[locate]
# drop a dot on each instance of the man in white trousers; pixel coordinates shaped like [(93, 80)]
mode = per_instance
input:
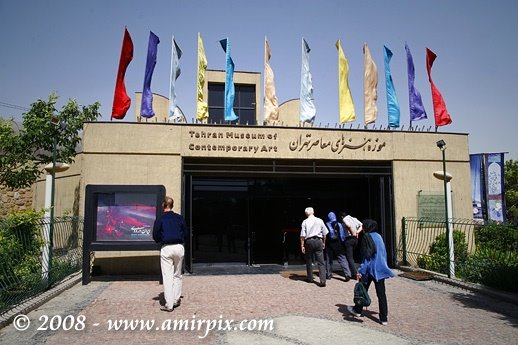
[(169, 230)]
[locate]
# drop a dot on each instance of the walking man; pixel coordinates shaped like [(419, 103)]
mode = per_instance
[(312, 241), (169, 230), (353, 227)]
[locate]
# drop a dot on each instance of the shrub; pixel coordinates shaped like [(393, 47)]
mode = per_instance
[(495, 261), (20, 249), (497, 236), (437, 261), (493, 267)]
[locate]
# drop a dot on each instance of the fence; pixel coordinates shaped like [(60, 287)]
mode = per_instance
[(30, 263), (424, 242)]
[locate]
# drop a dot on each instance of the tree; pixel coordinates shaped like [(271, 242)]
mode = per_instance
[(24, 153), (511, 189)]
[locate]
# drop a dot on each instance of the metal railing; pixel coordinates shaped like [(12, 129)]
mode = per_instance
[(25, 270), (424, 244)]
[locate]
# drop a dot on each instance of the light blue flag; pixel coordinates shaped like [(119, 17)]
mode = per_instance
[(176, 54), (307, 105), (417, 111), (394, 112), (229, 82)]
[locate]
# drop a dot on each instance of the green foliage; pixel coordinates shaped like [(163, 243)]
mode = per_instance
[(23, 153), (20, 250), (497, 236), (437, 261), (492, 267), (21, 244), (511, 190), (495, 261), (20, 236)]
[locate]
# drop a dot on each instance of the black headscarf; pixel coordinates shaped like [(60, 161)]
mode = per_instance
[(370, 225)]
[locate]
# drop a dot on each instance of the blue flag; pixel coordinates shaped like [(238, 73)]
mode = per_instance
[(307, 106), (392, 103), (229, 82), (146, 108), (417, 111)]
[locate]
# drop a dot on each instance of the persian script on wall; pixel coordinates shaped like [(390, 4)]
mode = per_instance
[(253, 143)]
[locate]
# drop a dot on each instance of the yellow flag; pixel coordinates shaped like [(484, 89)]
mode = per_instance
[(347, 113), (202, 113), (271, 104), (370, 86)]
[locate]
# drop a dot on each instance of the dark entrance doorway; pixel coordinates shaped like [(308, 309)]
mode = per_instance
[(254, 218), (220, 223)]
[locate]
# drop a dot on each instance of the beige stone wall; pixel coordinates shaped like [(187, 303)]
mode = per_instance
[(411, 177), (68, 191), (289, 113), (14, 200), (160, 107), (144, 153)]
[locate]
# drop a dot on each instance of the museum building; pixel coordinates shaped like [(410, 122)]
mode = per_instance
[(243, 187)]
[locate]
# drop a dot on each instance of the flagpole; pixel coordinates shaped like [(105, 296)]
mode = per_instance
[(170, 81), (264, 83)]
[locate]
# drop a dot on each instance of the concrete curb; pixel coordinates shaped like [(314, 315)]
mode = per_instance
[(488, 291)]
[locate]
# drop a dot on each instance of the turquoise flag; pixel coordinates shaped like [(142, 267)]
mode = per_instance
[(307, 106), (229, 82), (392, 104)]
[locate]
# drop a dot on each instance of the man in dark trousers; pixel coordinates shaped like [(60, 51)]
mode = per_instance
[(169, 230), (312, 241)]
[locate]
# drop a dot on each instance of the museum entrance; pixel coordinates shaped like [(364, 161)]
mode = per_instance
[(242, 213)]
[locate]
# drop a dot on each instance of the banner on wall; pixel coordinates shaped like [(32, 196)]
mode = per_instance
[(494, 173), (477, 182), (487, 186)]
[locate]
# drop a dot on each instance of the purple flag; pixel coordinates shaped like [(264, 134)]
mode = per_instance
[(146, 108), (417, 111)]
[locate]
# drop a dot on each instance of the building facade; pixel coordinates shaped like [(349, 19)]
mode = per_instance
[(243, 187)]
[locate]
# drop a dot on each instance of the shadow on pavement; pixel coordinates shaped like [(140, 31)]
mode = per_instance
[(369, 314), (507, 310)]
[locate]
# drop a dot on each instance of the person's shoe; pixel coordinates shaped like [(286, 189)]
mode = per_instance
[(384, 323), (166, 308), (351, 311), (347, 278), (177, 304), (329, 277), (322, 284)]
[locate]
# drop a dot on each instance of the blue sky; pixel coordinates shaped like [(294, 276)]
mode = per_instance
[(73, 48)]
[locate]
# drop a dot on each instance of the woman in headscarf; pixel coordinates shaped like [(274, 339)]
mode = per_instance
[(374, 268)]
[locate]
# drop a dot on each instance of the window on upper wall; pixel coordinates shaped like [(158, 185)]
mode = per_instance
[(244, 103)]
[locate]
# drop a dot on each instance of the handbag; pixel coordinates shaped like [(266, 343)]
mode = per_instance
[(361, 296)]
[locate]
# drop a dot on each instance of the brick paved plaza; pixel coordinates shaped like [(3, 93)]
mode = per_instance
[(420, 312)]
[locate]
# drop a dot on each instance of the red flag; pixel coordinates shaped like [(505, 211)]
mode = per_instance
[(439, 107), (121, 101)]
